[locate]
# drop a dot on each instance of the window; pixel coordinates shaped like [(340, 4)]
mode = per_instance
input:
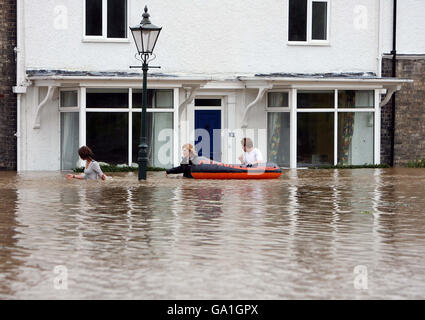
[(106, 19), (69, 99), (278, 100), (278, 133), (315, 99), (355, 138), (308, 21), (158, 99), (356, 99), (207, 102), (315, 139), (69, 140), (159, 135), (107, 98), (107, 135)]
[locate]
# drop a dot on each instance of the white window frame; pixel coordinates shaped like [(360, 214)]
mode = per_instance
[(310, 41), (104, 36), (82, 109), (294, 110), (280, 110)]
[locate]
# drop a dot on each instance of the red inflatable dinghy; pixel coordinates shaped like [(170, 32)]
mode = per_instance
[(208, 169)]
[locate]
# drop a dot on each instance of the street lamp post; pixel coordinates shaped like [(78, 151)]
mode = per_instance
[(145, 36)]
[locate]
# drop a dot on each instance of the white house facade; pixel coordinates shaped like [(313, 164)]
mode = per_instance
[(302, 78)]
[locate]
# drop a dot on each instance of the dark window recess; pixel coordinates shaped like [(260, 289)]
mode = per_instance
[(117, 18), (93, 17), (138, 98), (100, 98), (319, 23), (107, 136), (297, 20), (207, 102)]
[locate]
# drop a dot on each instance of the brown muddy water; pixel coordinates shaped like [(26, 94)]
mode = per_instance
[(313, 234)]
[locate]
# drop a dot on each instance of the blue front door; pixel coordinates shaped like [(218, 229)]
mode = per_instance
[(208, 133)]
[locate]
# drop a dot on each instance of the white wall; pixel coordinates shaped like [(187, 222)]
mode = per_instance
[(40, 148), (410, 26), (199, 36)]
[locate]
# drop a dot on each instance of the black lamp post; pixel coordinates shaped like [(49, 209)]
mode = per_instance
[(145, 36)]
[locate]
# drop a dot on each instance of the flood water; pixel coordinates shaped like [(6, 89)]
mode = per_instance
[(313, 234)]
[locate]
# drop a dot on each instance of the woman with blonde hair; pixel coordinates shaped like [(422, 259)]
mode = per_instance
[(190, 158)]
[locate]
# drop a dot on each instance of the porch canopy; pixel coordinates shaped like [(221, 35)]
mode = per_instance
[(193, 82)]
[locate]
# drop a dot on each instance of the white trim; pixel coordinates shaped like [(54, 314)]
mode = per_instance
[(82, 122), (130, 126), (176, 126), (108, 40), (107, 110), (315, 110), (377, 133), (293, 130), (105, 19), (356, 110), (152, 110), (336, 128)]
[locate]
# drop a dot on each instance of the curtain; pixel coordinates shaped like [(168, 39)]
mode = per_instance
[(160, 126), (347, 130), (274, 134), (69, 139)]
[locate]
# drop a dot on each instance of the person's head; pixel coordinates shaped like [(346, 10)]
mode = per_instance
[(85, 153), (247, 144), (188, 150)]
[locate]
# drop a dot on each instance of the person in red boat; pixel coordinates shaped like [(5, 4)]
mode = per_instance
[(251, 156)]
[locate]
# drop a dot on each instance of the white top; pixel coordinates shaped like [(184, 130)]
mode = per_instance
[(253, 156), (93, 171)]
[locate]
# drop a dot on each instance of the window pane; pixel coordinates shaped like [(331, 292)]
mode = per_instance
[(315, 99), (278, 100), (297, 20), (207, 102), (315, 139), (117, 18), (160, 138), (69, 99), (278, 138), (356, 99), (164, 99), (69, 140), (137, 98), (107, 136), (319, 23), (355, 138), (107, 98), (93, 17)]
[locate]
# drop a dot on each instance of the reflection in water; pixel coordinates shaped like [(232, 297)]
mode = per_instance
[(297, 237)]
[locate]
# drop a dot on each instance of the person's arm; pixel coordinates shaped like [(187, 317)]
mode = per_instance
[(241, 159), (73, 176)]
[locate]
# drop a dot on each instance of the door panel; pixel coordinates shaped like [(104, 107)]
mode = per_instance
[(208, 133)]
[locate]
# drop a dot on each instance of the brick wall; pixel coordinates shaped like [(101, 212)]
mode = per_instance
[(7, 81), (409, 115)]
